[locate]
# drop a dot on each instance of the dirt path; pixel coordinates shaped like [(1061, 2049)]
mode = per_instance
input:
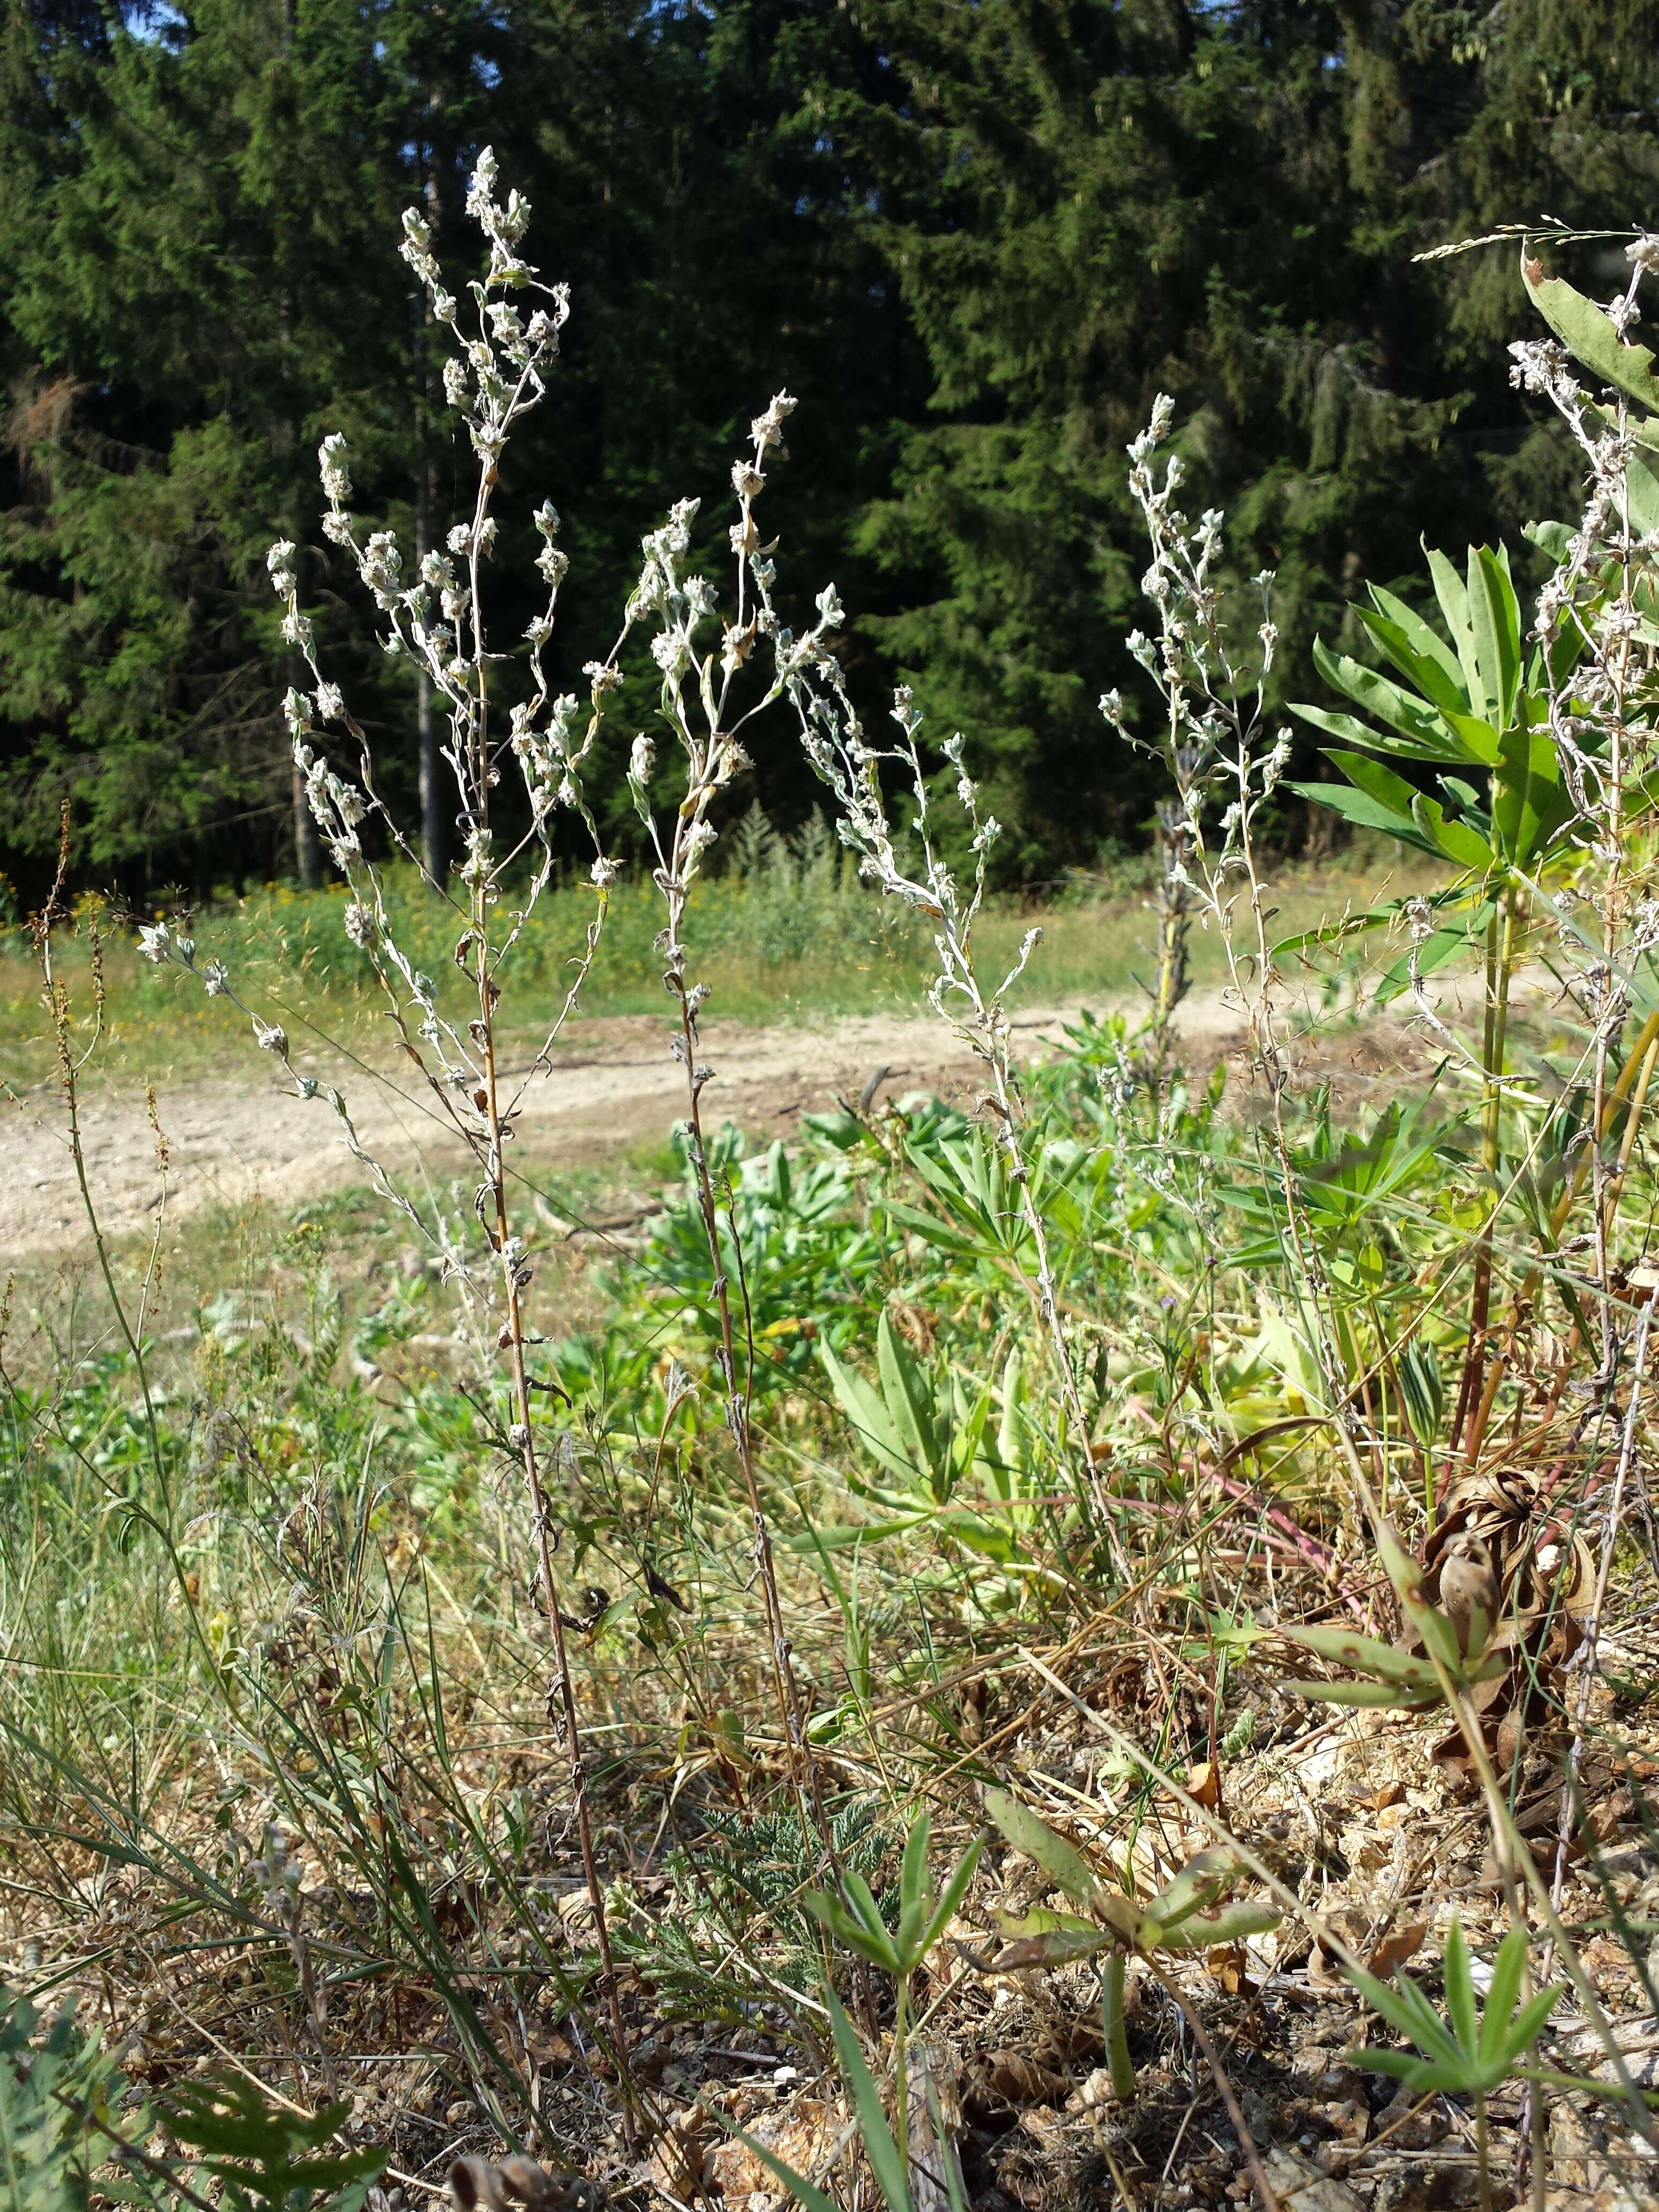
[(614, 1084)]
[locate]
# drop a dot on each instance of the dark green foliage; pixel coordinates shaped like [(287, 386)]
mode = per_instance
[(975, 242), (1120, 197)]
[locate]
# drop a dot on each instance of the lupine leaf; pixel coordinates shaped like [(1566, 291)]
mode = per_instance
[(1460, 1989)]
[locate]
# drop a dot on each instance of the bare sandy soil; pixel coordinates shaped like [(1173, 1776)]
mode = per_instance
[(614, 1084)]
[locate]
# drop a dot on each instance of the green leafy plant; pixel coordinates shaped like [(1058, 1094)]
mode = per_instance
[(1471, 2052), (854, 1919), (265, 2158), (1474, 704), (1192, 1912), (1383, 1675), (68, 2115), (55, 2091), (927, 1426)]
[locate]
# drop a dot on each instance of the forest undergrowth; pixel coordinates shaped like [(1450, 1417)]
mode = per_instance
[(1092, 1646)]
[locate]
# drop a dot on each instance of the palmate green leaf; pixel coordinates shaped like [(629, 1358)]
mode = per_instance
[(1590, 336), (1066, 1867), (1364, 812), (1466, 2052), (1422, 1389), (1418, 730), (1495, 620)]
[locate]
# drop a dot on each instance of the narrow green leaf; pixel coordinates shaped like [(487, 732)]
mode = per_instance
[(908, 1392), (865, 1910), (951, 1896), (869, 1417), (1057, 1946), (1406, 2009), (1524, 2029), (851, 1934), (1346, 1647), (1223, 1924), (1449, 589), (1359, 1694), (1495, 618), (1202, 1882), (915, 1891), (1356, 806), (1460, 1989), (1456, 840), (1423, 730), (878, 2145), (1506, 1972), (1027, 1833), (1427, 645)]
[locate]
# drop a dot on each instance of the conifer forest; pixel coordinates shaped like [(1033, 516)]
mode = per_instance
[(829, 1189)]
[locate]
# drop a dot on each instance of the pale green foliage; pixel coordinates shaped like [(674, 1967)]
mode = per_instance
[(1471, 2050), (1193, 1911)]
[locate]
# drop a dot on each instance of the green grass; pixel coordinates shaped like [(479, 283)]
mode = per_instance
[(791, 935)]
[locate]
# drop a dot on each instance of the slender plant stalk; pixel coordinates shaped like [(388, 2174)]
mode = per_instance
[(1117, 2038)]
